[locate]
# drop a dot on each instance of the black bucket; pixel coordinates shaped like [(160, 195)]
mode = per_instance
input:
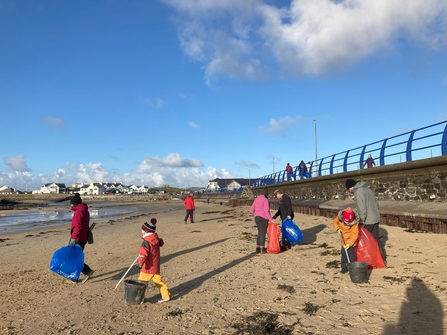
[(134, 291), (358, 271)]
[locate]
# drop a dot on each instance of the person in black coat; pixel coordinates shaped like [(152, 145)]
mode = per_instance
[(284, 212)]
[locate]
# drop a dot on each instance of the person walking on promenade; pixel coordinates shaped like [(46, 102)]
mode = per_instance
[(190, 207), (289, 171), (367, 208), (301, 169), (79, 229), (149, 259), (261, 211), (284, 212), (346, 224), (369, 162)]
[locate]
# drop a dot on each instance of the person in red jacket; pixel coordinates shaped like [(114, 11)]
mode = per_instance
[(190, 207), (79, 229), (149, 259)]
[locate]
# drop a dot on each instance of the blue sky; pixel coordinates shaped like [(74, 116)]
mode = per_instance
[(179, 92)]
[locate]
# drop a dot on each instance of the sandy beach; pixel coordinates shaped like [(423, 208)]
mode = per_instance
[(218, 285)]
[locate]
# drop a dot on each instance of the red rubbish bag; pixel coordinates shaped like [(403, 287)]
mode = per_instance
[(368, 250), (273, 234)]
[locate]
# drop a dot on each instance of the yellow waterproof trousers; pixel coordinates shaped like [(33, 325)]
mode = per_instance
[(158, 281)]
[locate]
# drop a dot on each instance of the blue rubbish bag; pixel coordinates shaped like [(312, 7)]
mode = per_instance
[(291, 232), (68, 262)]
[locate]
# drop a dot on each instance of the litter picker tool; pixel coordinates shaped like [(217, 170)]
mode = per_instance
[(130, 267), (346, 250)]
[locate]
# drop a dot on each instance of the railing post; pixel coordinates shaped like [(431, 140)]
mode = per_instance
[(345, 162), (319, 167), (444, 142), (382, 153), (362, 157), (331, 166), (409, 145)]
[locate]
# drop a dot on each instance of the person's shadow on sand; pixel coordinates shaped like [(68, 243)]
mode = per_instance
[(310, 234), (383, 236), (421, 312), (119, 273), (190, 285)]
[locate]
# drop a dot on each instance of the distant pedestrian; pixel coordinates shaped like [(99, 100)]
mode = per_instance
[(301, 169), (369, 162), (261, 211), (367, 208), (207, 201), (284, 212), (149, 259), (190, 207), (289, 171), (308, 166), (346, 224), (80, 224)]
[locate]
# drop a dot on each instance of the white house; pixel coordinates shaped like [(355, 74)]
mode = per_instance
[(53, 188), (95, 189)]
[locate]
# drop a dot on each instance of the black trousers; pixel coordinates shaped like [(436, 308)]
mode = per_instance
[(86, 268), (262, 224), (190, 213)]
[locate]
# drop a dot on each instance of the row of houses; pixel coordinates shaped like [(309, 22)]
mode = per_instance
[(215, 185), (92, 189)]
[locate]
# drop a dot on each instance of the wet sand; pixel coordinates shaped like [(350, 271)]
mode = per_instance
[(218, 284)]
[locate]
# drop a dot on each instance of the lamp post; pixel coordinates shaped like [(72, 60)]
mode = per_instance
[(316, 149)]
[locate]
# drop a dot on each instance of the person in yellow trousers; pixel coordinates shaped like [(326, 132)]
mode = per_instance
[(346, 224), (149, 259)]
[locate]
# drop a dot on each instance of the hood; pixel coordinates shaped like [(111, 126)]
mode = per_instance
[(80, 207)]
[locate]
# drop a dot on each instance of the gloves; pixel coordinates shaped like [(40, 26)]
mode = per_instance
[(138, 266), (161, 242), (339, 231), (346, 246), (72, 242), (289, 217)]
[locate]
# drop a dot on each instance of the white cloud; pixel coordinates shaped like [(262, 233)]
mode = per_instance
[(279, 127), (310, 37), (53, 122), (17, 163), (152, 171), (174, 160), (245, 163), (157, 102), (193, 124)]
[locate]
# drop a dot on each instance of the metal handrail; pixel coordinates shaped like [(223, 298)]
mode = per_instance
[(386, 151)]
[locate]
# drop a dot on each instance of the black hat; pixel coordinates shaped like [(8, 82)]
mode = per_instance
[(76, 199), (149, 227), (350, 183)]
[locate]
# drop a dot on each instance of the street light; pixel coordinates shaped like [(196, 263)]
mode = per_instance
[(316, 150)]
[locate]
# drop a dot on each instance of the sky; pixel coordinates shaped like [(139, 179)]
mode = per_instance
[(179, 92)]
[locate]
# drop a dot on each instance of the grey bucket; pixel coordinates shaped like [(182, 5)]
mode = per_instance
[(134, 291), (358, 271)]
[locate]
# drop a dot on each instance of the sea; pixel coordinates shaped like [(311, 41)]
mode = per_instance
[(10, 223)]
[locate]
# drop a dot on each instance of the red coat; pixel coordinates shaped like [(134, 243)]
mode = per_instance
[(150, 253), (80, 223), (189, 203)]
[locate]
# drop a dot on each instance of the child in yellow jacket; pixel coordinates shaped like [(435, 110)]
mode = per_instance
[(346, 224)]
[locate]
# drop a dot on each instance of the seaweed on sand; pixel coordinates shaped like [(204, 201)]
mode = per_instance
[(262, 323), (287, 288)]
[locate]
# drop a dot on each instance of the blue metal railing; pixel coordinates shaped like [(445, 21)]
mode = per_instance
[(426, 142)]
